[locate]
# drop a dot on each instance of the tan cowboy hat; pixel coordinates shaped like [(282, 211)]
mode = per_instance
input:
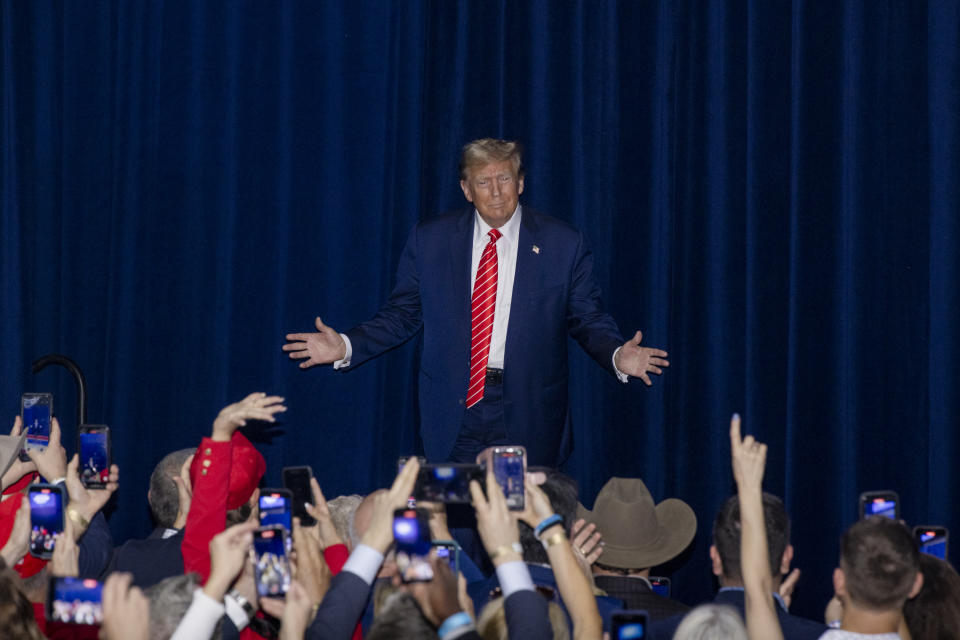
[(637, 534)]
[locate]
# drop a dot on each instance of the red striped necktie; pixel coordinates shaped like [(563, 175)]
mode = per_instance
[(484, 300)]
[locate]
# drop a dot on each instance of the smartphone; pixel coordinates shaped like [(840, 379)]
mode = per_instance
[(660, 585), (628, 624), (448, 551), (879, 503), (36, 412), (932, 540), (75, 601), (449, 483), (297, 481), (411, 532), (402, 460), (271, 564), (93, 445), (46, 518), (276, 507), (509, 469)]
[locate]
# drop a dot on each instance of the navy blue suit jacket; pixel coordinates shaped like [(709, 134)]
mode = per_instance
[(794, 627), (554, 295)]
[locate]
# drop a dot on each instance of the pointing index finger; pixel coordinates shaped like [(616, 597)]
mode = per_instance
[(735, 439)]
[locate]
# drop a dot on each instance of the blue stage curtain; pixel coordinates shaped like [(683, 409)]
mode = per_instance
[(770, 189)]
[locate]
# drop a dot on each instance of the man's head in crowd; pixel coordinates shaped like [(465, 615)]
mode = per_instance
[(638, 534), (401, 619), (343, 509), (935, 612), (163, 496), (16, 613), (879, 566), (725, 552), (561, 489)]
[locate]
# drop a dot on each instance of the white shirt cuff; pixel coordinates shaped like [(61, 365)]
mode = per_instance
[(364, 562), (201, 619), (514, 576), (622, 376), (236, 612), (345, 361)]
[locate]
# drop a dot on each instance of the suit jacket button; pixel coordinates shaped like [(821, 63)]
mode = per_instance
[(459, 400)]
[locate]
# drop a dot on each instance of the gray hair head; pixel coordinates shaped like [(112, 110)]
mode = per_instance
[(401, 619), (342, 510), (164, 498), (169, 602), (711, 622)]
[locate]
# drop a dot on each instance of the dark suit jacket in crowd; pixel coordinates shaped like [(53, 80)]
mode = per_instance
[(637, 594), (543, 577), (149, 560), (794, 627), (342, 606), (554, 296)]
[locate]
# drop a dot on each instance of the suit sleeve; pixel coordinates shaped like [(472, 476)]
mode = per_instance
[(340, 608), (587, 322), (208, 508), (401, 316), (526, 614), (96, 548)]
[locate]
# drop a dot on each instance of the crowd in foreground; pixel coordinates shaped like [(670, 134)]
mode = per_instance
[(552, 570)]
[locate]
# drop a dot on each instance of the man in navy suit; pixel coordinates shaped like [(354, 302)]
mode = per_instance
[(543, 290)]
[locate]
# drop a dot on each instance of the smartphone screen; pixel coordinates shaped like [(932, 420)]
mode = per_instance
[(932, 540), (75, 601), (275, 508), (46, 518), (36, 411), (94, 448), (879, 503), (660, 585), (411, 531), (628, 625), (450, 553), (509, 469), (297, 481), (449, 483), (271, 565)]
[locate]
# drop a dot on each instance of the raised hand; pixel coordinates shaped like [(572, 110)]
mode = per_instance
[(18, 468), (19, 541), (495, 522), (439, 598), (184, 493), (379, 533), (66, 555), (52, 461), (637, 361), (126, 611), (228, 553), (748, 456), (537, 505), (587, 540), (323, 347), (87, 502), (320, 512), (256, 406), (310, 568)]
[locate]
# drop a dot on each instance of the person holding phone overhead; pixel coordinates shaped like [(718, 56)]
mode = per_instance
[(496, 289)]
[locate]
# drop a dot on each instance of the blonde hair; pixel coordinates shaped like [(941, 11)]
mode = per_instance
[(711, 622), (484, 151), (492, 623)]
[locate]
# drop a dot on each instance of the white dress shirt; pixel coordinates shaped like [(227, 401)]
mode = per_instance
[(506, 269)]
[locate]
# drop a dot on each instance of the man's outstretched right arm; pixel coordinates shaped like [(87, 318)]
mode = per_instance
[(399, 319)]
